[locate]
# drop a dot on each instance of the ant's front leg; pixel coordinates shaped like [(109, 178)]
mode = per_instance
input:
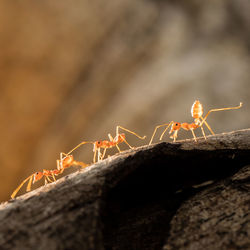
[(174, 136), (103, 153)]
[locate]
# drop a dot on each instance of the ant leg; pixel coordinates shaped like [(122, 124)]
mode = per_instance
[(94, 158), (112, 139), (131, 132), (175, 135), (60, 162), (53, 175), (118, 148), (194, 135), (99, 155), (19, 187), (128, 144), (166, 129), (103, 154), (29, 185), (203, 120), (162, 125), (202, 130), (63, 154), (61, 170), (48, 179), (221, 109)]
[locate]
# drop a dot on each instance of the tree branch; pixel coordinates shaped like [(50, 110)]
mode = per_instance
[(125, 201)]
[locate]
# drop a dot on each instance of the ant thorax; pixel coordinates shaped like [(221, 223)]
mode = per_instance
[(119, 138), (68, 159)]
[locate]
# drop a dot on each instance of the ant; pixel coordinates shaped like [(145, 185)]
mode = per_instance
[(36, 177), (197, 112), (62, 164), (105, 144)]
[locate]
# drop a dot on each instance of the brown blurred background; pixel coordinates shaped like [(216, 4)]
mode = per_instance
[(73, 70)]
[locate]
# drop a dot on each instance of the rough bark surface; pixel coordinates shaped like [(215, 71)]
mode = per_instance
[(215, 218), (182, 195)]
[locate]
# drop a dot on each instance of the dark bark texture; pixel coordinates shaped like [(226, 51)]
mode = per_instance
[(182, 195)]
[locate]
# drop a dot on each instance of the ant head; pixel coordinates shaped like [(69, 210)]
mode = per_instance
[(119, 138), (37, 176), (175, 126), (97, 144)]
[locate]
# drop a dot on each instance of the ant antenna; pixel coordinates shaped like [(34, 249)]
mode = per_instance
[(159, 126)]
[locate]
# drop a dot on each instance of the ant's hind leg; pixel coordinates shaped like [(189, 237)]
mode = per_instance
[(118, 148), (215, 110), (194, 135), (203, 120), (203, 133), (128, 144)]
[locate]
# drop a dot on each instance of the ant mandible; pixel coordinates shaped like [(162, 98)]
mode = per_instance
[(105, 144), (197, 112)]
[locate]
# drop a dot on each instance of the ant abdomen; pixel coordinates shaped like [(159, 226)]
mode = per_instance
[(197, 109)]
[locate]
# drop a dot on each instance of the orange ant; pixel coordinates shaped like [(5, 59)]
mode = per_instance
[(62, 164), (197, 112), (105, 144), (36, 177)]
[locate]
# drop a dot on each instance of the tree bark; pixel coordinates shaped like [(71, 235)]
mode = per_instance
[(182, 195)]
